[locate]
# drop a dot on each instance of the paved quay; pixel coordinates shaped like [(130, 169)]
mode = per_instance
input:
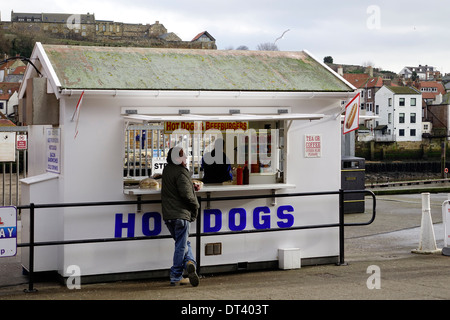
[(380, 266)]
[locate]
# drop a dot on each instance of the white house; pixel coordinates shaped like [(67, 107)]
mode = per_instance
[(425, 72), (400, 114), (406, 72), (8, 99)]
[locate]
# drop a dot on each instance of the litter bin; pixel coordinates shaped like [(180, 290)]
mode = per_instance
[(353, 174)]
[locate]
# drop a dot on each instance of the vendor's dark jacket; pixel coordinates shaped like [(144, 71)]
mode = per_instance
[(177, 194), (216, 172)]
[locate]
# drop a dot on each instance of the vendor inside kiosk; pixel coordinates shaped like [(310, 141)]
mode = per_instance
[(216, 166)]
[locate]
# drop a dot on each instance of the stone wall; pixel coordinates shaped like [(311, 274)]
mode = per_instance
[(427, 149)]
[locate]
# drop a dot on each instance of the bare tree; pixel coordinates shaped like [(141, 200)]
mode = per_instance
[(368, 63), (243, 47), (267, 46)]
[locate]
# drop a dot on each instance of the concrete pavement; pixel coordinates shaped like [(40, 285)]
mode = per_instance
[(380, 266)]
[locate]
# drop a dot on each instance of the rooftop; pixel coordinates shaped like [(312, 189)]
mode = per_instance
[(357, 79), (435, 88), (403, 90), (121, 68), (6, 123)]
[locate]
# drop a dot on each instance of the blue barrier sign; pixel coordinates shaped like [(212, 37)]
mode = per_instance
[(8, 231)]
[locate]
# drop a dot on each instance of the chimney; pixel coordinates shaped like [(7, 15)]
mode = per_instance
[(340, 71)]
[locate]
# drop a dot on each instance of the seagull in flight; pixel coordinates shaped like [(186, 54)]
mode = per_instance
[(281, 37)]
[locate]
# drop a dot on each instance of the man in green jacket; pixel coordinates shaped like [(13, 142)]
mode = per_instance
[(179, 208)]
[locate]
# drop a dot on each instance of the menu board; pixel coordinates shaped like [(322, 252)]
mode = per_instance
[(7, 146)]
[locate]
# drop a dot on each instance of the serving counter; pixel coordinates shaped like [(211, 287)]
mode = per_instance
[(208, 189), (217, 188)]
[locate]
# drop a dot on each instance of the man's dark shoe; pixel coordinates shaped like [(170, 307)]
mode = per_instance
[(192, 274)]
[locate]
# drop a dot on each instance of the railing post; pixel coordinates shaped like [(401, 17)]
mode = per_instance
[(31, 254), (198, 235), (341, 228)]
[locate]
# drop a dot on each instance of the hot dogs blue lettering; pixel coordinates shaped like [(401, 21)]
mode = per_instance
[(147, 230), (212, 220)]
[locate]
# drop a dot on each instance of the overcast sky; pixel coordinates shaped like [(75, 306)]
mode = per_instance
[(389, 34)]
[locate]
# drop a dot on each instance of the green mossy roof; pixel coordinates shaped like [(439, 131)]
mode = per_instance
[(122, 68), (403, 90)]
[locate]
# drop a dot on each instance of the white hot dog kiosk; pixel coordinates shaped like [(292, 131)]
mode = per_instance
[(102, 119)]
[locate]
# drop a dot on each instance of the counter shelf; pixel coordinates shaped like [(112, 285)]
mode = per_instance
[(207, 189)]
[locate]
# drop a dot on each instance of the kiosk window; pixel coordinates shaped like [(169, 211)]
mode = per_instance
[(144, 144), (258, 146)]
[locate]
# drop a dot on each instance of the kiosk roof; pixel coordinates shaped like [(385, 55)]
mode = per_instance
[(129, 68)]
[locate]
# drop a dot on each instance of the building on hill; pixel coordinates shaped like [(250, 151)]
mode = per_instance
[(425, 72), (50, 17), (84, 27)]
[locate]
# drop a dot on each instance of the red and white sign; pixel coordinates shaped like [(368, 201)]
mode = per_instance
[(313, 145), (21, 143), (351, 119)]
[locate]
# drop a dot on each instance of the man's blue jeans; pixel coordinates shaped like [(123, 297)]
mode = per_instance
[(179, 230)]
